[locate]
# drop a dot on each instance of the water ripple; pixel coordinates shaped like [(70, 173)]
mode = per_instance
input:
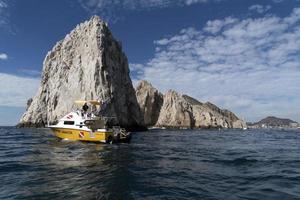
[(197, 164)]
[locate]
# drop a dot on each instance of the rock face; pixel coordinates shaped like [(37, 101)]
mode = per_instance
[(176, 112), (206, 117), (87, 64), (216, 117), (150, 101), (182, 111)]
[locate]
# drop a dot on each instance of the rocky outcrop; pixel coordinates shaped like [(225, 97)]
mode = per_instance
[(224, 118), (183, 111), (208, 115), (275, 122), (239, 124), (87, 64), (150, 101), (176, 112), (29, 101), (206, 118)]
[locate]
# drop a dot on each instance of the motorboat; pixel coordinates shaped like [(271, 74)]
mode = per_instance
[(88, 126)]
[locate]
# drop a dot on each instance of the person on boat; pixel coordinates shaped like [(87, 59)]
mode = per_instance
[(103, 107), (85, 108)]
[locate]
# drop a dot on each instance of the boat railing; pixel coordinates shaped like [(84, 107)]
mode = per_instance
[(92, 115)]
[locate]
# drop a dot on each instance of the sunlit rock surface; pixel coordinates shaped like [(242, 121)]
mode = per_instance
[(150, 101), (87, 64), (175, 110)]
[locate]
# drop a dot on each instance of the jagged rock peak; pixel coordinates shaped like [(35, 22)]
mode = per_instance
[(192, 100), (87, 64), (176, 112), (143, 84), (150, 101)]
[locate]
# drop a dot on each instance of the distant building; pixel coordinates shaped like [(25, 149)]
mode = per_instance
[(264, 126), (294, 125)]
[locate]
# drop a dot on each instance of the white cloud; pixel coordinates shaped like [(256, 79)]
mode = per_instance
[(96, 5), (216, 25), (16, 90), (3, 14), (3, 56), (3, 4), (260, 8), (109, 9), (251, 66), (139, 68), (190, 2), (30, 72)]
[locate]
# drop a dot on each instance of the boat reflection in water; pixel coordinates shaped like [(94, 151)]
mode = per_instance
[(85, 170)]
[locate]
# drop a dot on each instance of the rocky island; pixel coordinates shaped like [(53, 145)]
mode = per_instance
[(87, 64), (174, 110), (90, 64), (274, 122)]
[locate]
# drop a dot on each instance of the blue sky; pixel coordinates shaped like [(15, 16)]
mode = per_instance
[(243, 55)]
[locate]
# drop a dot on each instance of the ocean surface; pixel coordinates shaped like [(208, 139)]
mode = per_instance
[(161, 164)]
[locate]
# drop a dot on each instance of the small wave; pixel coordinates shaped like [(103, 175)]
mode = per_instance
[(238, 161), (155, 165)]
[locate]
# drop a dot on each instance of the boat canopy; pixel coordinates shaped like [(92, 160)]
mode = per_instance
[(82, 102)]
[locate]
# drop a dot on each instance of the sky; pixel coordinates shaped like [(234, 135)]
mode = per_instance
[(242, 55)]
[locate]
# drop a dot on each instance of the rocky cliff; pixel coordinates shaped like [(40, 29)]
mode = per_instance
[(176, 112), (150, 101), (87, 64), (182, 111)]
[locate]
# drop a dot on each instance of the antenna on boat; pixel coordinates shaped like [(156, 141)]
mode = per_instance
[(47, 109)]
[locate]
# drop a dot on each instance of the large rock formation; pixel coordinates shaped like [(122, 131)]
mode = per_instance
[(176, 112), (182, 111), (150, 101), (87, 64), (208, 115)]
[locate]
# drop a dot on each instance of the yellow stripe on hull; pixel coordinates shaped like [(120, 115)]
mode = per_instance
[(74, 134)]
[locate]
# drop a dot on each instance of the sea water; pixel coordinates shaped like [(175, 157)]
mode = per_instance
[(161, 164)]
